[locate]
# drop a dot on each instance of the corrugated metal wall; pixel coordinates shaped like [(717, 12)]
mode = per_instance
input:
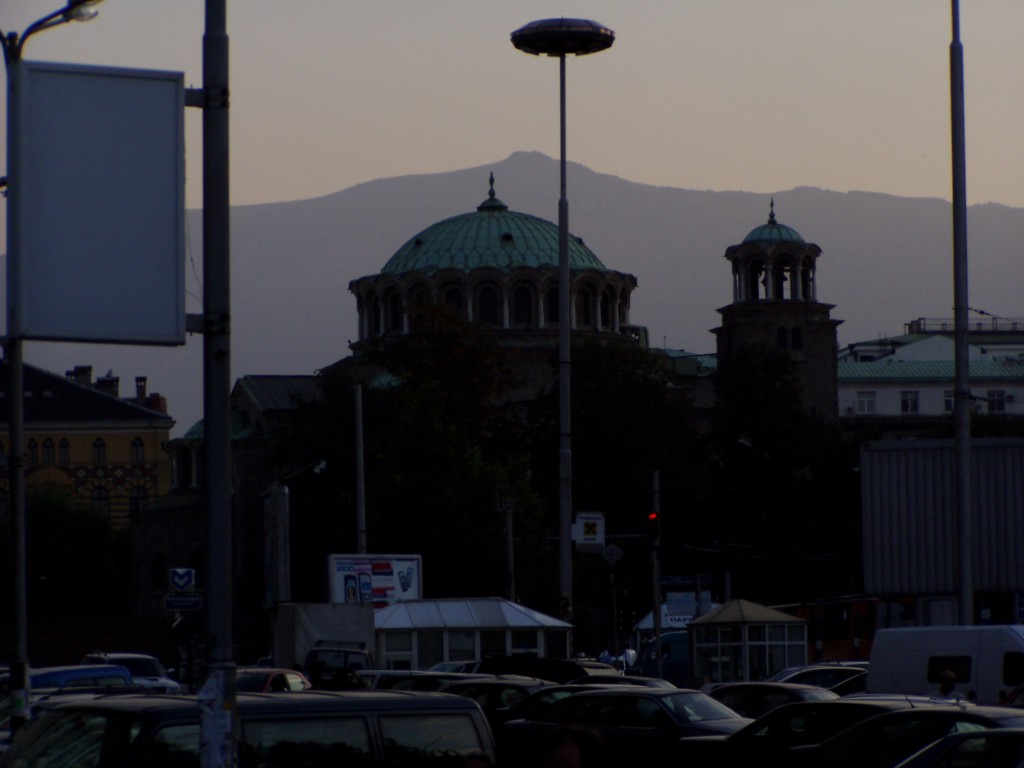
[(909, 526)]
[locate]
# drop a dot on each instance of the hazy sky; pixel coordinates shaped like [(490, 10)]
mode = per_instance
[(755, 95)]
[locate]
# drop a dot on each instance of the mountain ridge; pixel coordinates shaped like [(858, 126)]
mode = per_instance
[(885, 261)]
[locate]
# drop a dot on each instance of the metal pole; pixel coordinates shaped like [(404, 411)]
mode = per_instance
[(962, 384), (360, 476), (564, 383), (656, 574), (19, 683), (222, 728)]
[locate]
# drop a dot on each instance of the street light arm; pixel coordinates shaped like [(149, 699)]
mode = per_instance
[(74, 10)]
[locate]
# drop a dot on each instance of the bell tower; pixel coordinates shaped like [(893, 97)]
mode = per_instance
[(775, 305)]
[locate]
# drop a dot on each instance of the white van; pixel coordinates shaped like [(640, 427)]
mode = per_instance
[(988, 661)]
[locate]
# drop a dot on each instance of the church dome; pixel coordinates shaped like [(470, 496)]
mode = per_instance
[(773, 232), (492, 236)]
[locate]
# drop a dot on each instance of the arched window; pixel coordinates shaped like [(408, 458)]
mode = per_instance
[(453, 298), (64, 452), (522, 305), (607, 300), (138, 451), (99, 451), (101, 501), (779, 279), (137, 498), (551, 316), (487, 299), (374, 319), (49, 452), (585, 307), (394, 309), (33, 453), (755, 285)]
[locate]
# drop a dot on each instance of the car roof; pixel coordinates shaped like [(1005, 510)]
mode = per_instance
[(298, 702), (769, 684)]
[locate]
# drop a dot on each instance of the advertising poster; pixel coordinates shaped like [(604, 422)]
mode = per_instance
[(377, 579)]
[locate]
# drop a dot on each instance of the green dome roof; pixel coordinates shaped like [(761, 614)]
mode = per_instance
[(494, 237), (773, 232)]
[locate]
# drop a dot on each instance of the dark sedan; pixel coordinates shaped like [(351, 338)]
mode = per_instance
[(493, 693), (767, 741), (639, 725), (756, 699), (885, 740), (991, 748)]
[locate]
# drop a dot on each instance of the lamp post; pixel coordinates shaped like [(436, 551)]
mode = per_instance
[(561, 37), (13, 44)]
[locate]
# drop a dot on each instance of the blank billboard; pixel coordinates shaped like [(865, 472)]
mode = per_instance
[(97, 175)]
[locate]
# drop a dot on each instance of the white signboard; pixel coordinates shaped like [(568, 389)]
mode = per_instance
[(97, 179), (377, 579)]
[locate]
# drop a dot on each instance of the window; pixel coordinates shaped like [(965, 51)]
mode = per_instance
[(551, 316), (64, 452), (797, 337), (487, 300), (781, 338), (996, 400), (101, 500), (311, 741), (33, 453), (865, 401), (947, 400), (522, 306), (137, 499), (461, 645), (424, 739), (49, 453), (138, 451), (429, 648), (99, 451), (909, 402)]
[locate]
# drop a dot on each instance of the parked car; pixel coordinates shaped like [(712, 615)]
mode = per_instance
[(640, 725), (755, 699), (494, 693), (72, 675), (411, 680), (365, 728), (617, 679), (455, 666), (270, 680), (885, 740), (767, 741), (992, 748), (555, 670), (821, 675), (335, 666), (534, 705), (145, 669)]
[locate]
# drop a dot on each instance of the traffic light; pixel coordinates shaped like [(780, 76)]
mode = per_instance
[(653, 525)]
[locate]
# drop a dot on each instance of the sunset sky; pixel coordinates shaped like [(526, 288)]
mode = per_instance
[(711, 94)]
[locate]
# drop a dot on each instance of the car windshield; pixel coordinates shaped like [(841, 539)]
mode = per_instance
[(143, 667), (71, 739), (695, 707), (250, 682)]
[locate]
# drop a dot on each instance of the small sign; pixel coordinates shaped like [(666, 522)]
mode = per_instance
[(183, 601), (182, 579), (588, 533)]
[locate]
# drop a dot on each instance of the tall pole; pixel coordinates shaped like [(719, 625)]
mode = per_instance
[(560, 37), (221, 734), (360, 476), (962, 384), (13, 45), (564, 371)]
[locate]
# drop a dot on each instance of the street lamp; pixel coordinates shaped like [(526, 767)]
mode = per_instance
[(74, 10), (560, 37)]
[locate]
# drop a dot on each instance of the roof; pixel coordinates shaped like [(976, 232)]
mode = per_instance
[(773, 232), (279, 393), (927, 370), (492, 236), (50, 397), (745, 612), (463, 613)]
